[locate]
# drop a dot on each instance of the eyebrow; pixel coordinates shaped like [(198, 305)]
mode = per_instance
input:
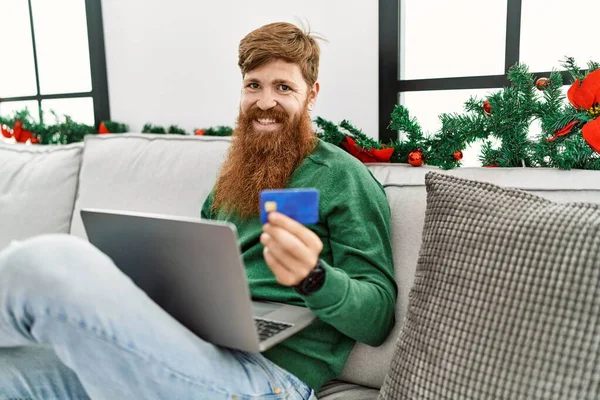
[(275, 82), (284, 82)]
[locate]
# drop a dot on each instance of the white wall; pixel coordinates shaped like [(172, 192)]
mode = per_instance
[(175, 62)]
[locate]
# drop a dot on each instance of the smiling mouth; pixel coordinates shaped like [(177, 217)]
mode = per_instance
[(266, 121)]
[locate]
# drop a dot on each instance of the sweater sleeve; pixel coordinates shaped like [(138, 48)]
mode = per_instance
[(359, 294), (206, 212)]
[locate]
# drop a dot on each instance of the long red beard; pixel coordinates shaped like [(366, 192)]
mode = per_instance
[(261, 160)]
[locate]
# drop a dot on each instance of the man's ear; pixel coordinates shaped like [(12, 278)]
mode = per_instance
[(314, 92)]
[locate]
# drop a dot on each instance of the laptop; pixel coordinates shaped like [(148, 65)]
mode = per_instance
[(193, 269)]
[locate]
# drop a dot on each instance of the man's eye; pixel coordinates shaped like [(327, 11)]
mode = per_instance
[(284, 88), (253, 85)]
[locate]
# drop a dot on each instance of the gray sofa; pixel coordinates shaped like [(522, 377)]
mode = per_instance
[(43, 188)]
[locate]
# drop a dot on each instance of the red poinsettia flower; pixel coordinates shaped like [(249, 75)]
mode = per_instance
[(591, 134), (367, 155), (5, 132), (585, 95), (563, 131), (21, 135), (102, 129)]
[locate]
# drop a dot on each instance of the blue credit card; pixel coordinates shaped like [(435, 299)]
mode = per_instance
[(301, 205)]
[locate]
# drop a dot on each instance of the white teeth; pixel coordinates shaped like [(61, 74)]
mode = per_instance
[(266, 121)]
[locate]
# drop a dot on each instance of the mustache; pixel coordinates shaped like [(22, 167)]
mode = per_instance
[(276, 114)]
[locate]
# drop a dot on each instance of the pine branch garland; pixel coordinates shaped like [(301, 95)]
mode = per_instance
[(359, 137), (506, 116), (218, 131), (571, 66), (501, 121), (176, 130), (116, 127), (329, 132), (149, 128)]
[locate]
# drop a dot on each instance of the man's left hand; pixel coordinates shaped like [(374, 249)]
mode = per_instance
[(291, 249)]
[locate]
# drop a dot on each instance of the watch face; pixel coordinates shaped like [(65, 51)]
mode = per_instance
[(314, 280)]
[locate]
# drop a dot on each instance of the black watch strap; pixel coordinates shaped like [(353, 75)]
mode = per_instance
[(313, 282)]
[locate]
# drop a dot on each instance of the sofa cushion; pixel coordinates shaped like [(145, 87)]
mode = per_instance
[(337, 390), (405, 190), (166, 174), (505, 300), (577, 184), (37, 189)]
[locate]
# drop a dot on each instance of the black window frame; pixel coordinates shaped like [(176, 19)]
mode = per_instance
[(99, 92), (390, 85)]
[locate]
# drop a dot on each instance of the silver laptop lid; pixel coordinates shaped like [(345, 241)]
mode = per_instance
[(173, 260)]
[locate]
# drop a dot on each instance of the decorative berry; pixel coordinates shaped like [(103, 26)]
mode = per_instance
[(542, 83), (487, 107), (415, 158)]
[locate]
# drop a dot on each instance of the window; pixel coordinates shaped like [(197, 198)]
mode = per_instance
[(435, 54), (441, 39), (551, 30), (426, 106), (54, 60)]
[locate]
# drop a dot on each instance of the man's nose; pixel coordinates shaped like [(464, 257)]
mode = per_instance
[(266, 101)]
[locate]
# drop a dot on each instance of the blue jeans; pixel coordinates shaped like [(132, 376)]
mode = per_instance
[(72, 326)]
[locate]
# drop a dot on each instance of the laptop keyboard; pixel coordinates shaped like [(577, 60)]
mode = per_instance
[(267, 329)]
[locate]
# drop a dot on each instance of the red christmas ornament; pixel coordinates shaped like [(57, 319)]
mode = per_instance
[(415, 158), (542, 83), (457, 155), (199, 132), (102, 129), (487, 107)]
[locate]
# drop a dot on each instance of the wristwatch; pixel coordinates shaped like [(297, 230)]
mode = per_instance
[(313, 282)]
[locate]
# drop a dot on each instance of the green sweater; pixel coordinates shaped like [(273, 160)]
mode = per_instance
[(357, 300)]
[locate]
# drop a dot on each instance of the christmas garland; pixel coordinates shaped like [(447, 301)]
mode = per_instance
[(22, 128), (570, 135), (570, 132), (507, 115)]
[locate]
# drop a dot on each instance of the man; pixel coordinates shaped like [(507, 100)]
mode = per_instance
[(73, 326)]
